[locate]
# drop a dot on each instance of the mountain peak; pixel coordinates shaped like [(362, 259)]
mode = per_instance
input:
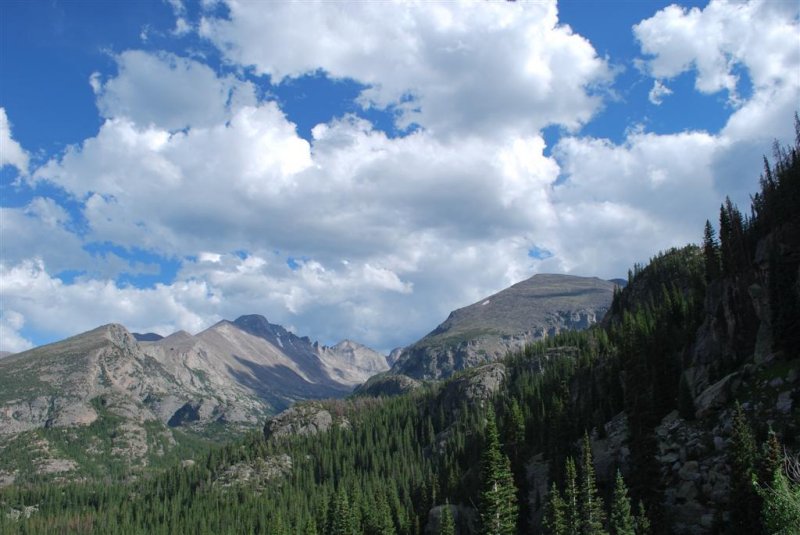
[(347, 344), (256, 324), (535, 308)]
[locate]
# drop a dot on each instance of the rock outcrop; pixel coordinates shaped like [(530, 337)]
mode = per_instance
[(387, 385), (301, 420)]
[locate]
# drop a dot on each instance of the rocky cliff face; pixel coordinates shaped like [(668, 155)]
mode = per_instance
[(541, 306)]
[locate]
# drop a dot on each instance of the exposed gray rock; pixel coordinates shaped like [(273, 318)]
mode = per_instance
[(611, 452), (7, 478), (25, 512), (476, 386), (792, 376), (784, 403), (302, 419), (255, 474), (55, 466), (717, 395), (351, 363), (689, 471), (387, 385), (538, 473)]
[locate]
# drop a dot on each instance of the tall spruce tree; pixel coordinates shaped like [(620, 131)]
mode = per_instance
[(641, 521), (447, 525), (621, 522), (592, 510), (498, 497), (554, 521), (571, 498), (771, 458), (711, 253), (341, 517)]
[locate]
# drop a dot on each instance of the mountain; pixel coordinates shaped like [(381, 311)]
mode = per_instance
[(352, 363), (138, 399), (541, 306), (4, 354)]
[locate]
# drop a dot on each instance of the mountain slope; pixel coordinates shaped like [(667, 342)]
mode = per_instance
[(541, 306), (148, 394)]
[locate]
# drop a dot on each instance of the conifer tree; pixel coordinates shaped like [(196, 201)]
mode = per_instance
[(711, 253), (571, 498), (554, 521), (725, 239), (642, 522), (498, 498), (781, 502), (771, 458), (742, 459), (447, 525), (311, 527), (516, 427), (622, 522), (592, 514), (341, 518)]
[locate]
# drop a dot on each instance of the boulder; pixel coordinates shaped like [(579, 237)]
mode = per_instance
[(784, 403), (717, 395)]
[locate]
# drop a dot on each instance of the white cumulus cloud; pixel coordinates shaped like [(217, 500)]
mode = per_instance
[(452, 67), (11, 323), (11, 152), (758, 35)]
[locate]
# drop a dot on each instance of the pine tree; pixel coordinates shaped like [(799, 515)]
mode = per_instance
[(516, 428), (311, 527), (725, 239), (642, 522), (711, 253), (447, 525), (498, 499), (742, 459), (622, 522), (554, 521), (592, 514), (342, 519), (571, 498), (781, 504), (771, 458)]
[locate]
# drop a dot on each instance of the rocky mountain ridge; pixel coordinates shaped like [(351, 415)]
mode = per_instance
[(230, 376), (541, 306)]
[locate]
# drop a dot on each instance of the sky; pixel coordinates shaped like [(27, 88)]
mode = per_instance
[(360, 169)]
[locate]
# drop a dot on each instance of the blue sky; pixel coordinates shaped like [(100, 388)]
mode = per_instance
[(358, 170)]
